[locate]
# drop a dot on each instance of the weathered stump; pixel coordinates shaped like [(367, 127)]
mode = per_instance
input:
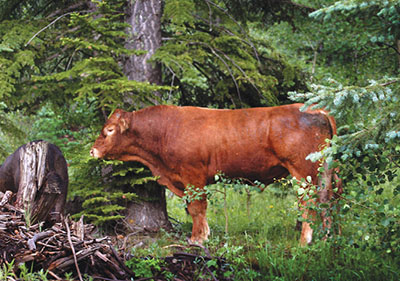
[(37, 174), (37, 194)]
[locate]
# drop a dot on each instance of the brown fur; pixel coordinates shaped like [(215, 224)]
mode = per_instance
[(189, 145)]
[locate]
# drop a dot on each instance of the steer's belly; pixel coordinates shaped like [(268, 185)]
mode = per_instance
[(263, 168)]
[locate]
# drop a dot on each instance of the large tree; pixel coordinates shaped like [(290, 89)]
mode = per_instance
[(144, 34)]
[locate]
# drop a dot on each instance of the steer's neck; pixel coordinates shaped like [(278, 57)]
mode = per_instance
[(146, 135)]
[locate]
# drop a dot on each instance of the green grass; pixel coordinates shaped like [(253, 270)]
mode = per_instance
[(265, 244), (325, 261), (262, 243), (272, 216)]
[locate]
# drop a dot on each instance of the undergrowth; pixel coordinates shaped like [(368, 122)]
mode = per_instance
[(262, 243)]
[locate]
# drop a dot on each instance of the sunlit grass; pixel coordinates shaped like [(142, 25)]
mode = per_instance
[(266, 242), (271, 215)]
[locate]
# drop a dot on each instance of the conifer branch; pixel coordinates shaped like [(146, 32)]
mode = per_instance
[(389, 46), (47, 26), (229, 70), (238, 24)]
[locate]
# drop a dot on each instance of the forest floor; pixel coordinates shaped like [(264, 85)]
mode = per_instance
[(72, 249)]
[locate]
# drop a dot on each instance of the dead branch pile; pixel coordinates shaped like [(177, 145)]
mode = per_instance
[(69, 247), (66, 247)]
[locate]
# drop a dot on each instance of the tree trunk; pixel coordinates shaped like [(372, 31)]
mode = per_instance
[(144, 17), (145, 34), (150, 213)]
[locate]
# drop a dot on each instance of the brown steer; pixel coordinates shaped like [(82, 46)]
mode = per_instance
[(189, 145)]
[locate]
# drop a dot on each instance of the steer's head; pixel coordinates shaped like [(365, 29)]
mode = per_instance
[(112, 140)]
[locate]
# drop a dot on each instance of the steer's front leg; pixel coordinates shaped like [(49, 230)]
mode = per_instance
[(200, 231)]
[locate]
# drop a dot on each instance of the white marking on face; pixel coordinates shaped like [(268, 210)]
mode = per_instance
[(94, 153), (109, 131)]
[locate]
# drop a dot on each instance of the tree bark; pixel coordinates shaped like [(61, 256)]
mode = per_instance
[(144, 34), (150, 213), (144, 17), (35, 195)]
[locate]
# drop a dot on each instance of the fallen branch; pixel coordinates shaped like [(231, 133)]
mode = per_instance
[(36, 237), (73, 249)]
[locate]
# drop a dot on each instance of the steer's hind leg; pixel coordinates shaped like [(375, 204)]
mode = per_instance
[(308, 214), (197, 210)]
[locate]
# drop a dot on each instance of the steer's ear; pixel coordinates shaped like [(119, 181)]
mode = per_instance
[(124, 124), (122, 118)]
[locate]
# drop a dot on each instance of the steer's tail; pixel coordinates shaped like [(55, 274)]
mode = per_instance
[(329, 177), (328, 181)]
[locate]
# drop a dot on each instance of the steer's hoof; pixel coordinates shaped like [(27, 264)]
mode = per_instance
[(192, 241)]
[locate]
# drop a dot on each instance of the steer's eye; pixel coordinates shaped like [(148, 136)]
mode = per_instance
[(109, 131)]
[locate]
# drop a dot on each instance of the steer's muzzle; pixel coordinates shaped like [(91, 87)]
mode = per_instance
[(94, 153)]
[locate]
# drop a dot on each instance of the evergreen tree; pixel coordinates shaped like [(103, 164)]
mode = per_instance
[(70, 58), (367, 149)]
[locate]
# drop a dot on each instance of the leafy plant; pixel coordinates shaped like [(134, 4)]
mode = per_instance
[(7, 272), (220, 187), (145, 267), (105, 198), (12, 131), (367, 148), (215, 61)]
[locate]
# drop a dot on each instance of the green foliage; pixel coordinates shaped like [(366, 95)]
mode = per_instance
[(349, 41), (263, 216), (144, 267), (7, 272), (364, 43), (16, 61), (214, 61), (324, 261), (75, 66), (366, 150), (12, 133), (367, 113), (106, 187), (269, 11), (93, 68), (28, 274), (217, 193), (265, 246)]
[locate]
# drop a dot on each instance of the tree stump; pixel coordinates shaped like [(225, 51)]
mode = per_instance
[(37, 191)]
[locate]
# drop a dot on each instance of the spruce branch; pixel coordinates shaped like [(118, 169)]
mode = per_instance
[(248, 41), (47, 26)]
